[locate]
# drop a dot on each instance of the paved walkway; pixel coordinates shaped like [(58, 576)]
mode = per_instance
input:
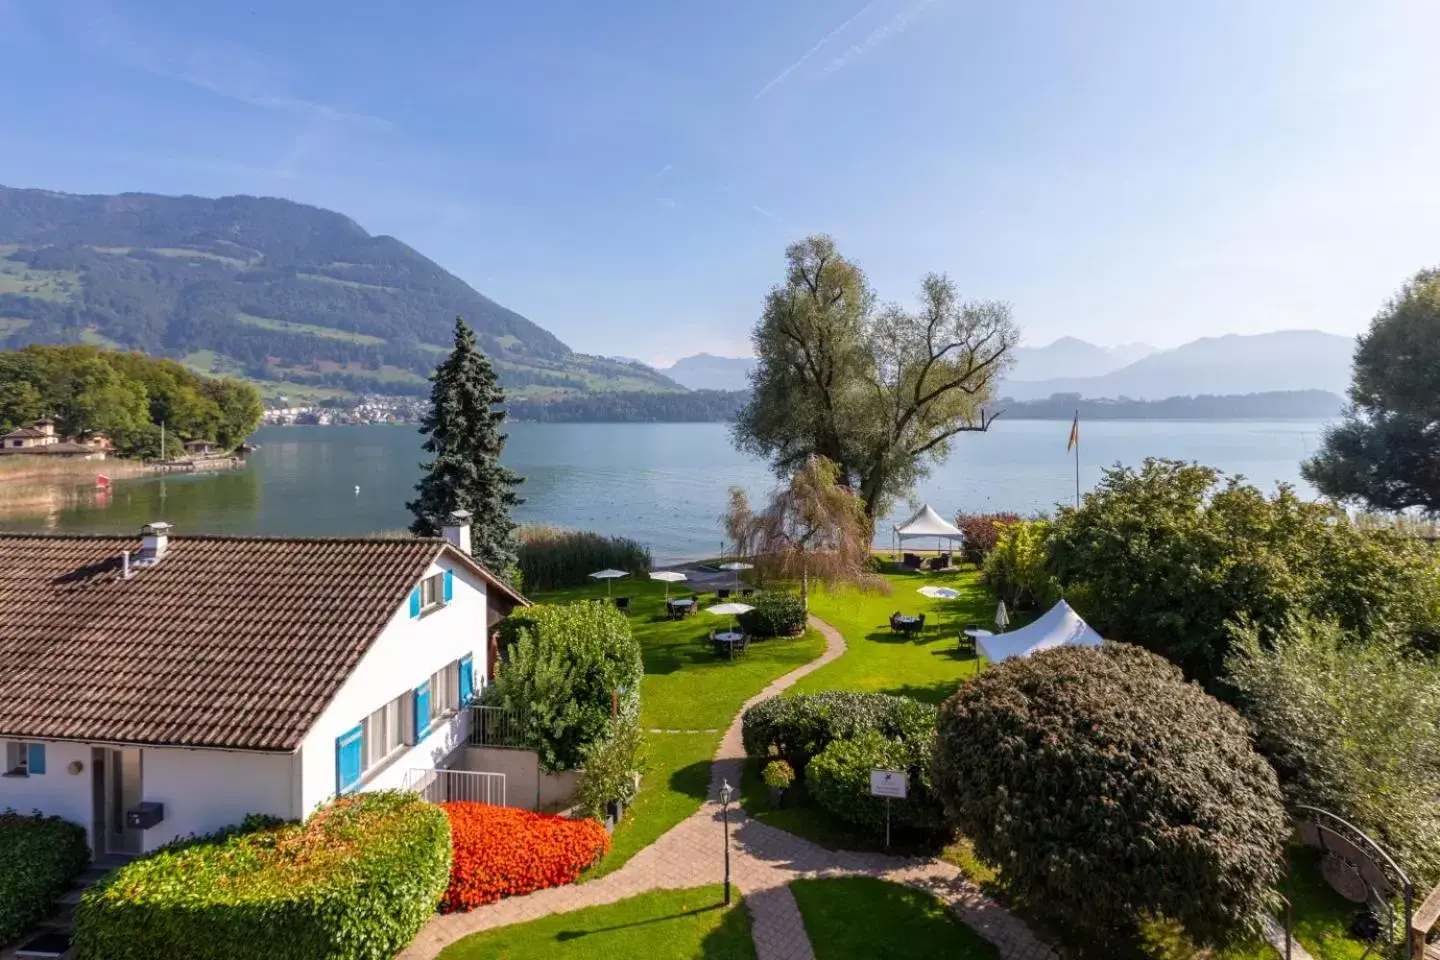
[(763, 861)]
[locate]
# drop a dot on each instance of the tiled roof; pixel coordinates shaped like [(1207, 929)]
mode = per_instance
[(19, 432), (226, 642)]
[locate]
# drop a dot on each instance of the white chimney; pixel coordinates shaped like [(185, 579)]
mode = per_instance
[(457, 530), (154, 539)]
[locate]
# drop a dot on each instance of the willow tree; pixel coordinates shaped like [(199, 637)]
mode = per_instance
[(814, 527), (878, 390)]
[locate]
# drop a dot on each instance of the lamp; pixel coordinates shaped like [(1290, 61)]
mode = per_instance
[(725, 793)]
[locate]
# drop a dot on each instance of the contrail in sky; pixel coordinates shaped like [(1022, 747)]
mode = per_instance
[(780, 77)]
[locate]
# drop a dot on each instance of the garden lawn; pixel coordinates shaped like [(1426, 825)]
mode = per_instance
[(680, 924), (927, 666), (686, 687), (861, 918)]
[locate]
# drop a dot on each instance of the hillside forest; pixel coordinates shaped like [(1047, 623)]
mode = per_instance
[(126, 395)]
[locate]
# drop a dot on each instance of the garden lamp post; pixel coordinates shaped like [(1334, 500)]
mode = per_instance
[(725, 792)]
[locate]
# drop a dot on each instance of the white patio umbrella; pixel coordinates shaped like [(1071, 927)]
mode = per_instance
[(1002, 617), (939, 593), (607, 576), (735, 566), (669, 576), (729, 610)]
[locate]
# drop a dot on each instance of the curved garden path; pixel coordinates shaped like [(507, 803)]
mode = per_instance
[(763, 861)]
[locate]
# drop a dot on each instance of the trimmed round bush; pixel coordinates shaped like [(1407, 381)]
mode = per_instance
[(839, 780), (775, 615), (778, 775), (355, 881), (1106, 787), (799, 727), (39, 856)]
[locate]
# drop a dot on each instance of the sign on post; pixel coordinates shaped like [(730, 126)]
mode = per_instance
[(887, 783)]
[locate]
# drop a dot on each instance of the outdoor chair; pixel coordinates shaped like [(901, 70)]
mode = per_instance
[(895, 621), (748, 592), (622, 604), (967, 642), (723, 593)]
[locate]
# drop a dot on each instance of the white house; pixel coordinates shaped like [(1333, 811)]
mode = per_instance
[(167, 686)]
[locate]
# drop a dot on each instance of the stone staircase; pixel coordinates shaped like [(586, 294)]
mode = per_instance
[(51, 939)]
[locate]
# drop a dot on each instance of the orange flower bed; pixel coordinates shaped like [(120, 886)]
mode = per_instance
[(503, 852)]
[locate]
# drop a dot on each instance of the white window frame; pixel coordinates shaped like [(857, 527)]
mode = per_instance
[(17, 758), (432, 592), (385, 734), (445, 692)]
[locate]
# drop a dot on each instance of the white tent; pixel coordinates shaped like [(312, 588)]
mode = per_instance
[(927, 523), (1059, 627)]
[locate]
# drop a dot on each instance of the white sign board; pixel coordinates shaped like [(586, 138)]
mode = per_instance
[(887, 783)]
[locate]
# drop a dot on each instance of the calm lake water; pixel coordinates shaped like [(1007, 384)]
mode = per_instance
[(664, 484)]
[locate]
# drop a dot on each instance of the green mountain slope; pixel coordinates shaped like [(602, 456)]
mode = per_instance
[(268, 289)]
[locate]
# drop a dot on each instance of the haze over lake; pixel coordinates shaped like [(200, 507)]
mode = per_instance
[(664, 484)]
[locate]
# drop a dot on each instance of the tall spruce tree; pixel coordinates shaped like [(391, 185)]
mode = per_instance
[(462, 431)]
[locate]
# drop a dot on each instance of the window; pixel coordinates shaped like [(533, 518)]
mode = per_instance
[(24, 759), (432, 591), (445, 691), (384, 732)]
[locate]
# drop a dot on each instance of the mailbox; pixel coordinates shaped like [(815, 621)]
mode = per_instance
[(145, 815)]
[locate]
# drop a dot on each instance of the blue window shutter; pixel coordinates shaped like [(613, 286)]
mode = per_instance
[(467, 680), (415, 602), (35, 762), (449, 585), (422, 710), (349, 750)]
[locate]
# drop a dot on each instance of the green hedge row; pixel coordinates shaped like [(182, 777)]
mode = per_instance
[(39, 856), (355, 881), (839, 779), (775, 615), (799, 727)]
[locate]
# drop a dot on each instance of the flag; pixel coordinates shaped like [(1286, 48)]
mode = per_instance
[(1074, 433)]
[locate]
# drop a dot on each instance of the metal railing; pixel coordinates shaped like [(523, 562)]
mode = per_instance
[(450, 786), (499, 727)]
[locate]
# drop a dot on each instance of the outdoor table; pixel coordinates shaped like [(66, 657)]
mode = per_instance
[(729, 639), (679, 607), (907, 624), (682, 603), (975, 634)]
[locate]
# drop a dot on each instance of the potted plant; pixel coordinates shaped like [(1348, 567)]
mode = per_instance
[(778, 776)]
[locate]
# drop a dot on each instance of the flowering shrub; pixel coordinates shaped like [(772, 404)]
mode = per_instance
[(504, 852), (778, 775)]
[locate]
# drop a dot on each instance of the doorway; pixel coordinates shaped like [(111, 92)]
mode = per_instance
[(115, 777)]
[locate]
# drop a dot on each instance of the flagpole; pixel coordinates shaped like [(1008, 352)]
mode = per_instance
[(1077, 459)]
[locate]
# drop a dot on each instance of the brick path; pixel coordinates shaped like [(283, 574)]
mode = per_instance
[(763, 860)]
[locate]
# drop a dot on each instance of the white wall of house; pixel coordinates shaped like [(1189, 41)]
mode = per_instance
[(56, 792), (207, 790), (404, 656)]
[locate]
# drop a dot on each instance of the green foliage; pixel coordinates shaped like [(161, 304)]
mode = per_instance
[(564, 664), (1383, 454), (462, 432), (551, 558), (775, 615), (1351, 727), (1016, 566), (610, 767), (877, 390), (1171, 556), (356, 881), (126, 395), (838, 777), (982, 533), (778, 775), (39, 856), (799, 727), (1107, 788), (631, 406)]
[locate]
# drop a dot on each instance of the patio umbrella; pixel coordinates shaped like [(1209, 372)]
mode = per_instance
[(729, 610), (735, 566), (607, 576), (940, 593), (1002, 617), (669, 576)]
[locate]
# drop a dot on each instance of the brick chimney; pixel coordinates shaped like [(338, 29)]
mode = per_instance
[(457, 530), (154, 541)]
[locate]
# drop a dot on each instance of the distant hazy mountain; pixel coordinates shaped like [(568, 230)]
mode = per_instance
[(1127, 353), (1234, 364), (706, 371), (1066, 357)]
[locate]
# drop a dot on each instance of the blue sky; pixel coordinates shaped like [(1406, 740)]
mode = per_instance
[(627, 174)]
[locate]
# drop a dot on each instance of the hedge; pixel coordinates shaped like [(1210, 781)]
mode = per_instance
[(355, 881), (799, 727), (775, 615), (838, 778), (39, 856), (504, 852)]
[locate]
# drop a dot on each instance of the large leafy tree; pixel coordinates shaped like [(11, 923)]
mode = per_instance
[(1386, 452), (1109, 790), (878, 390), (463, 433), (1173, 555)]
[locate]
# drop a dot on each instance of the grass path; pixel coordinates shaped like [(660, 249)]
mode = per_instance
[(862, 918)]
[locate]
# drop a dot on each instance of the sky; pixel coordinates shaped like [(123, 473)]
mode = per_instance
[(628, 174)]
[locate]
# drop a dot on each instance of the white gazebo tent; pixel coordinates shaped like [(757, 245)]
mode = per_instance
[(1061, 626), (928, 523)]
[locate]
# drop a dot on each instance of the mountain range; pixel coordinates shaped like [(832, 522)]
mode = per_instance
[(705, 371), (290, 295)]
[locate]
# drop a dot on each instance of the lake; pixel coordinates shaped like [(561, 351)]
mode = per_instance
[(664, 484)]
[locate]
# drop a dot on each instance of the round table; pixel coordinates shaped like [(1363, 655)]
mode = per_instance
[(975, 633)]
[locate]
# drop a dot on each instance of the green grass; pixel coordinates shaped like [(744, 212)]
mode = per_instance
[(21, 278), (97, 339), (348, 283), (326, 333), (686, 687), (670, 924), (861, 918), (9, 325), (927, 666)]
